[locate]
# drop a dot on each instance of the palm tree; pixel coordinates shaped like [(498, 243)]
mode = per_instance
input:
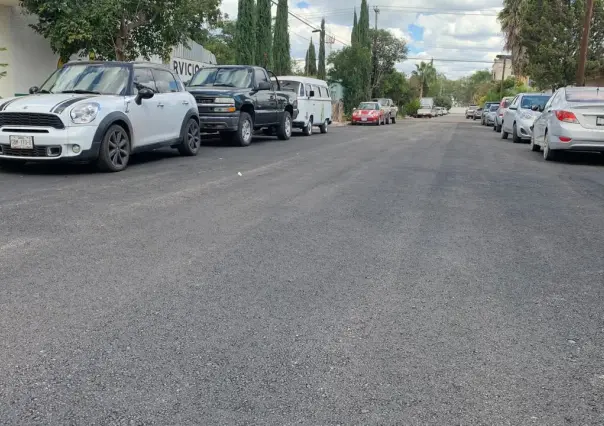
[(511, 22), (426, 73)]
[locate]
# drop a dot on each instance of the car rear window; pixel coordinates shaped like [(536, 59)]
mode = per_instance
[(529, 101), (587, 95), (494, 108)]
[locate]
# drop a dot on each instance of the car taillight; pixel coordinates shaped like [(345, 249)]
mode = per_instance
[(566, 116)]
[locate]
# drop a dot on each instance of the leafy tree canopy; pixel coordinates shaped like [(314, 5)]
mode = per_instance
[(387, 50)]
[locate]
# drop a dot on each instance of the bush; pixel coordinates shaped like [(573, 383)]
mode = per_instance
[(412, 107)]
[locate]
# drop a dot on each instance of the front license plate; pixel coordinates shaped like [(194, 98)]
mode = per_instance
[(599, 121), (364, 119), (21, 142)]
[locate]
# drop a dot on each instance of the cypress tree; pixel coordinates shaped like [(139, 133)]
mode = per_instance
[(264, 36), (355, 27), (245, 26), (281, 55), (363, 26), (321, 69), (311, 60)]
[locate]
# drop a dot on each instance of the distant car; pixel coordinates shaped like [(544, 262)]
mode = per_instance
[(571, 120), (477, 113), (470, 111), (491, 115), (503, 106), (485, 111), (519, 118), (368, 113), (389, 107)]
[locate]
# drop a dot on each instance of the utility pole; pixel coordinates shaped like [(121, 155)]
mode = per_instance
[(377, 12), (505, 59), (584, 43)]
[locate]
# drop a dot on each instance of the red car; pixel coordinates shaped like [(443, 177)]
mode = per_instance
[(368, 113)]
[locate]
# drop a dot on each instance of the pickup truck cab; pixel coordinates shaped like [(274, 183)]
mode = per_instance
[(389, 107), (236, 100)]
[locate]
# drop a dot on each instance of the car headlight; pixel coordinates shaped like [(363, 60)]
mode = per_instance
[(224, 101), (85, 113)]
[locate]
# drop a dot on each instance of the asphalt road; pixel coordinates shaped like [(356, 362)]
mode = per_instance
[(426, 272)]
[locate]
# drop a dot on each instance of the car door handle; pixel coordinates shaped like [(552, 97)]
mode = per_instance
[(160, 105), (185, 102)]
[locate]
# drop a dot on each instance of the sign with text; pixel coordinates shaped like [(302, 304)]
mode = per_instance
[(185, 68)]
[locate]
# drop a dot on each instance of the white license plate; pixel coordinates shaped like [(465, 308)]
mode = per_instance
[(21, 142), (599, 121), (364, 119)]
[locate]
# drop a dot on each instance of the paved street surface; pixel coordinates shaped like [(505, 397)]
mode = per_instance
[(426, 272)]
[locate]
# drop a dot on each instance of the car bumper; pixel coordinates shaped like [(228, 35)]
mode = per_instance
[(580, 139), (368, 120), (213, 123), (53, 145)]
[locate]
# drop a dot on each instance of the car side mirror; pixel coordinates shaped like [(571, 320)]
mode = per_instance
[(541, 108), (535, 107), (513, 108), (264, 85), (311, 94), (34, 89), (144, 93)]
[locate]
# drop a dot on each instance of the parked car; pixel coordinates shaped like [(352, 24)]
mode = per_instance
[(426, 108), (470, 111), (485, 111), (477, 113), (368, 113), (390, 109), (520, 116), (571, 120), (503, 106), (236, 100), (314, 102), (99, 112), (491, 115)]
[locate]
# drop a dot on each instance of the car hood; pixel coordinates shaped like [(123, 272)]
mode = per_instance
[(530, 112), (217, 92), (45, 103)]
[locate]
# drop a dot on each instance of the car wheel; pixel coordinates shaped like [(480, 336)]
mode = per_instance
[(534, 146), (307, 130), (548, 154), (323, 127), (494, 127), (243, 135), (114, 153), (284, 131), (191, 139), (515, 137)]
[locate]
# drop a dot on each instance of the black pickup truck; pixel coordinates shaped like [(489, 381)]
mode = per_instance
[(237, 100)]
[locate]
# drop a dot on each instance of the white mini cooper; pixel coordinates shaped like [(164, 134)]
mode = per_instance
[(99, 112)]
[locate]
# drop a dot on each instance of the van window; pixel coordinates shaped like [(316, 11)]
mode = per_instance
[(316, 89), (308, 89), (328, 92), (290, 86), (323, 91), (301, 90)]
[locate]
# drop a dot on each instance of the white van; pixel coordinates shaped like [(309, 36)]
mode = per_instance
[(314, 102)]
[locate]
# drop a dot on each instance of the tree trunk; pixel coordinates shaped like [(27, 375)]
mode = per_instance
[(120, 42)]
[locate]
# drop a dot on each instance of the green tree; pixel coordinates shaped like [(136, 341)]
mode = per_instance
[(364, 36), (355, 29), (426, 75), (311, 60), (3, 73), (246, 50), (264, 34), (119, 29), (321, 69), (443, 101), (512, 21), (412, 107), (220, 40), (344, 70), (387, 51), (281, 46), (395, 86)]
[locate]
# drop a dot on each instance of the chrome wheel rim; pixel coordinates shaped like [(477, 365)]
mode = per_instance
[(118, 148), (246, 130), (288, 126), (193, 138)]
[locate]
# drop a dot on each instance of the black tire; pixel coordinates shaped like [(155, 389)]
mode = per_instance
[(245, 130), (114, 153), (307, 130), (323, 127), (504, 134), (191, 140), (515, 137), (12, 164), (284, 131), (387, 120), (494, 127)]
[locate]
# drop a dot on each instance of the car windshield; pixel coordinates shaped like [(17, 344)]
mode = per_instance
[(586, 95), (382, 101), (290, 86), (529, 101), (369, 105), (105, 79), (494, 108), (224, 77)]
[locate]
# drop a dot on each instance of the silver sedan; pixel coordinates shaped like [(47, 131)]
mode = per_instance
[(572, 120)]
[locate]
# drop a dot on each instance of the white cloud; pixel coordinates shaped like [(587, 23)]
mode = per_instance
[(468, 32)]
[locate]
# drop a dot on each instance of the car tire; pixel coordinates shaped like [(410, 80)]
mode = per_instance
[(307, 130), (323, 127), (114, 152), (504, 134), (12, 164), (534, 146), (284, 131), (388, 121), (191, 140), (243, 135), (494, 127), (515, 137)]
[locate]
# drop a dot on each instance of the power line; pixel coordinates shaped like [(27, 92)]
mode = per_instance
[(411, 9), (447, 60)]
